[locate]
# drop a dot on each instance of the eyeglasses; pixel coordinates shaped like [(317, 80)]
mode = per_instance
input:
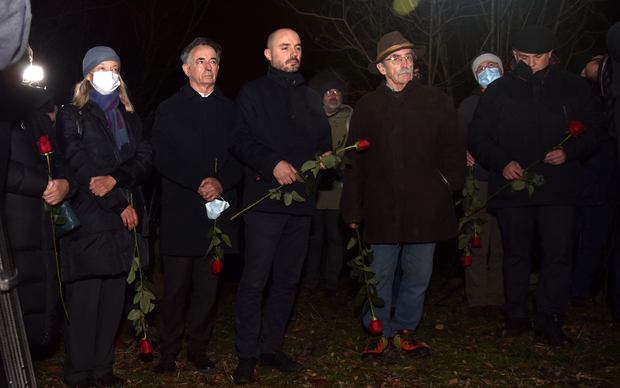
[(489, 66), (333, 92), (409, 58)]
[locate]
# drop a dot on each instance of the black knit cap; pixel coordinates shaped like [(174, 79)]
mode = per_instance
[(534, 40), (584, 58), (329, 85)]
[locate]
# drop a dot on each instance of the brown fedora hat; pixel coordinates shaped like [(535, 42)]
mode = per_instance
[(389, 43)]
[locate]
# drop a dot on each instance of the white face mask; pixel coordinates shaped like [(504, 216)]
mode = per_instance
[(105, 82), (216, 207)]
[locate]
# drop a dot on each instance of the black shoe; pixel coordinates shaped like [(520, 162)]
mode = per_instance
[(581, 302), (110, 380), (477, 312), (493, 313), (279, 361), (514, 327), (244, 374), (167, 363), (551, 331), (200, 360), (88, 382)]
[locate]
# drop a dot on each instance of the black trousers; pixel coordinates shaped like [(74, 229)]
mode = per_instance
[(556, 226), (187, 277), (95, 307), (275, 243)]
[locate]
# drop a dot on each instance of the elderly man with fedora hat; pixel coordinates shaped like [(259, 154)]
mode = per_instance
[(517, 118), (400, 189)]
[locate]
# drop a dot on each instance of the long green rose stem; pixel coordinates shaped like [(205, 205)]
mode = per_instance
[(142, 315), (137, 250), (266, 196), (359, 241), (62, 298), (483, 204)]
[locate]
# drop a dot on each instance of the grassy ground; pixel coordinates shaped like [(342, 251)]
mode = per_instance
[(327, 337)]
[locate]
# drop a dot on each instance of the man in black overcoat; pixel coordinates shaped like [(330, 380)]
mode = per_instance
[(518, 119), (279, 124), (190, 139)]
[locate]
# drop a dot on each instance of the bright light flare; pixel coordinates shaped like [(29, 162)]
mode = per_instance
[(33, 74), (404, 7)]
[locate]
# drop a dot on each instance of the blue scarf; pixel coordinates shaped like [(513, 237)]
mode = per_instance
[(109, 106)]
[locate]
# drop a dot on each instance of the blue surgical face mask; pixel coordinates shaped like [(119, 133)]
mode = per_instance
[(487, 76)]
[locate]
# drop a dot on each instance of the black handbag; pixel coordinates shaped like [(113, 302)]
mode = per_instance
[(71, 221)]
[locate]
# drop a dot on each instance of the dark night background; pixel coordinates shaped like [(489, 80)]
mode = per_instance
[(149, 37)]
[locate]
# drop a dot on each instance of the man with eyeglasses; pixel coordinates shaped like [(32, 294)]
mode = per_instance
[(399, 191), (327, 220), (484, 284), (518, 118)]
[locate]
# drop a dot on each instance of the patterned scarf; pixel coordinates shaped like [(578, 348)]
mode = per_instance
[(109, 106)]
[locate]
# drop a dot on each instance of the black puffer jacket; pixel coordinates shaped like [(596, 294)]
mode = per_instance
[(520, 116), (102, 246), (29, 226)]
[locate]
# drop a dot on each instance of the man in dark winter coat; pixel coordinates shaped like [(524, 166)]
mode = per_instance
[(612, 100), (190, 138), (600, 195), (518, 117), (279, 124), (400, 189)]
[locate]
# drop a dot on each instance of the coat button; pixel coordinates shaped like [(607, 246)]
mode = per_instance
[(292, 117)]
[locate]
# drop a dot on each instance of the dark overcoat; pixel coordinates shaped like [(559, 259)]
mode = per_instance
[(521, 116), (102, 246), (278, 118), (29, 226), (190, 137), (401, 188)]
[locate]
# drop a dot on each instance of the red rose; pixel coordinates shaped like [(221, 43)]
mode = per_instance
[(476, 242), (216, 266), (45, 147), (145, 346), (375, 326), (466, 261), (362, 144), (576, 128)]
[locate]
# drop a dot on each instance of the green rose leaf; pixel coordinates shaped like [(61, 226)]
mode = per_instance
[(134, 315), (530, 191), (360, 298), (345, 159), (517, 185), (309, 165), (210, 232), (131, 277), (226, 239), (288, 199), (378, 302), (144, 305), (352, 243), (297, 197)]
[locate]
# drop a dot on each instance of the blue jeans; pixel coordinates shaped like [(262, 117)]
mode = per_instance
[(417, 266)]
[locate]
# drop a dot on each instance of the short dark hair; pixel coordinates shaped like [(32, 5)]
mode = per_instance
[(201, 41)]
